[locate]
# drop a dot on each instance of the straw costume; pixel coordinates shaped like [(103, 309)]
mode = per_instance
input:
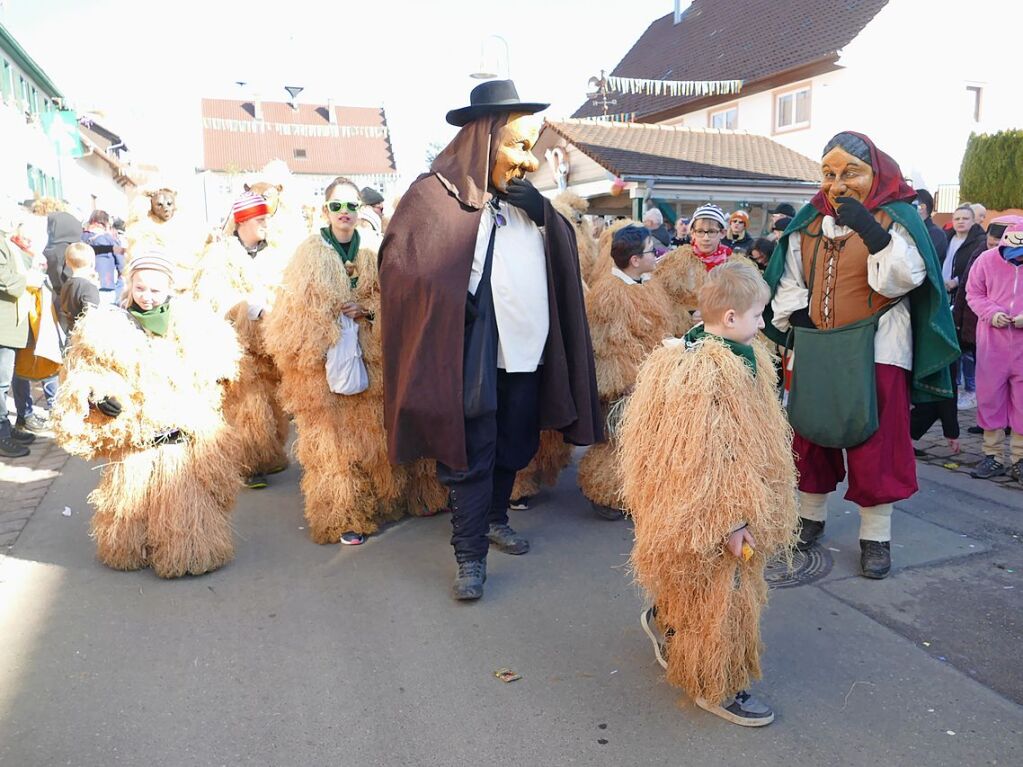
[(703, 412), (347, 480), (144, 393), (153, 222)]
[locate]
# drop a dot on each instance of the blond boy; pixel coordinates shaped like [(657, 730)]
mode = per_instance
[(81, 289)]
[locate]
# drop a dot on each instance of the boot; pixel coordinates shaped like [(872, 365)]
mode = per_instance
[(11, 448), (809, 531), (507, 540), (875, 559), (470, 579)]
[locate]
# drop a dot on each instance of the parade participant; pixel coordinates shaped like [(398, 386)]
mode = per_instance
[(154, 222), (995, 294), (858, 284), (738, 238), (141, 390), (704, 528), (484, 328), (348, 483), (232, 280), (629, 316)]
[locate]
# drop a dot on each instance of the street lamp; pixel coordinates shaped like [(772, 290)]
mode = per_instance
[(488, 69)]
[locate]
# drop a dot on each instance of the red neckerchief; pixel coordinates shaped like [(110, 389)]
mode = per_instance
[(24, 243), (716, 258)]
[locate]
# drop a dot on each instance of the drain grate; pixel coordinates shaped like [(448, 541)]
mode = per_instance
[(807, 567)]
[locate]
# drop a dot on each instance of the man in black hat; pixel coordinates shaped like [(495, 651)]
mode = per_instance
[(483, 324), (782, 209), (372, 210)]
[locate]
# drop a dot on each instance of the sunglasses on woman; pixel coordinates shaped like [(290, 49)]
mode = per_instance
[(336, 206)]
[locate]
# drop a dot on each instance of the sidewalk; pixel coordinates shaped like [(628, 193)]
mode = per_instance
[(24, 483), (938, 453)]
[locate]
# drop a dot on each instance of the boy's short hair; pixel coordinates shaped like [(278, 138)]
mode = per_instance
[(79, 255), (100, 217), (628, 242), (735, 285)]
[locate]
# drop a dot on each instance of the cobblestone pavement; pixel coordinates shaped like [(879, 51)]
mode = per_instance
[(23, 484), (938, 453)]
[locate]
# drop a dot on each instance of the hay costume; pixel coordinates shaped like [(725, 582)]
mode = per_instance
[(535, 369), (995, 286), (347, 480), (839, 286), (170, 479), (703, 412), (153, 222), (240, 284), (628, 320)]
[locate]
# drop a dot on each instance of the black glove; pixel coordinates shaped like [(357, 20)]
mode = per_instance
[(853, 214), (523, 195), (801, 319), (109, 406)]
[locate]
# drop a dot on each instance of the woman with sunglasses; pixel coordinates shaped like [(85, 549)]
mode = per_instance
[(348, 484)]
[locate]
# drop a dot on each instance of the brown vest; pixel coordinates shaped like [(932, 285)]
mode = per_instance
[(839, 291)]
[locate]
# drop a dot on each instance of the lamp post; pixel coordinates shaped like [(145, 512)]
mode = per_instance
[(488, 69)]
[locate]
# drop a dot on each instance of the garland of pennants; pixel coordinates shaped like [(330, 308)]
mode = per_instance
[(289, 129), (635, 85)]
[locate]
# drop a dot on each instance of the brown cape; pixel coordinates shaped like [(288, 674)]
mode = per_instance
[(425, 261)]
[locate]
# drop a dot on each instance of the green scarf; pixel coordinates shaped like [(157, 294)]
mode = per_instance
[(155, 321), (934, 337), (699, 332), (347, 252)]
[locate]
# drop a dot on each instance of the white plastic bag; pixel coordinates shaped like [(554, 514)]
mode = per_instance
[(346, 372)]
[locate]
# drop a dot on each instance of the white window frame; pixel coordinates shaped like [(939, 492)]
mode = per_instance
[(792, 91), (724, 110)]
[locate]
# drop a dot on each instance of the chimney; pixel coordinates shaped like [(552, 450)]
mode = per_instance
[(257, 107), (331, 114), (293, 91), (678, 11)]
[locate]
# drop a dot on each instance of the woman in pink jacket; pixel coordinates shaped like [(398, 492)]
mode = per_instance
[(994, 292)]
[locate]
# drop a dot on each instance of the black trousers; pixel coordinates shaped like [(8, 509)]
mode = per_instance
[(497, 446)]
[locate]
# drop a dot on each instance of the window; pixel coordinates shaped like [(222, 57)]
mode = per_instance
[(725, 118), (975, 92), (792, 109), (7, 83), (299, 154)]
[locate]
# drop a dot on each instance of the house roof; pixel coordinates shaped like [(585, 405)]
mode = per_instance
[(642, 149), (749, 40), (304, 138), (13, 48)]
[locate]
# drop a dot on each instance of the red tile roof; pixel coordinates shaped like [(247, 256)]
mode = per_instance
[(750, 40), (233, 140), (638, 149)]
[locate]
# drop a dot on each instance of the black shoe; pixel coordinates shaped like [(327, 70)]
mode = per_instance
[(989, 467), (507, 540), (875, 559), (10, 448), (519, 504), (975, 430), (809, 531), (607, 512), (470, 579), (32, 422), (256, 482), (1016, 471), (919, 453), (24, 437), (744, 710)]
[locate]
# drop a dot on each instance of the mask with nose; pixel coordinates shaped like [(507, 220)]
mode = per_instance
[(163, 205), (513, 156)]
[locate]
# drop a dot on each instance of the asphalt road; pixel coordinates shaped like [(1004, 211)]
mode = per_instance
[(298, 654)]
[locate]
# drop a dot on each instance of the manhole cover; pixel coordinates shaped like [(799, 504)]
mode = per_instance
[(807, 567)]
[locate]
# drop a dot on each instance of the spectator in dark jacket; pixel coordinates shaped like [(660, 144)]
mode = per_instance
[(61, 230), (653, 220), (109, 256), (925, 204), (960, 244)]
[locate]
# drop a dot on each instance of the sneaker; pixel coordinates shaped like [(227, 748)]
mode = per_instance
[(519, 504), (10, 448), (256, 482), (32, 422), (967, 400), (648, 620), (507, 540), (24, 437), (352, 539), (1016, 471), (875, 559), (744, 710), (607, 512), (809, 531), (989, 467), (469, 580)]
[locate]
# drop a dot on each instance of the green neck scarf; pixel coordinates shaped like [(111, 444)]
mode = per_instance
[(155, 321), (347, 252), (745, 351)]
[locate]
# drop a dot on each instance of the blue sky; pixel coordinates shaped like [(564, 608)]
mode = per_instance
[(147, 64)]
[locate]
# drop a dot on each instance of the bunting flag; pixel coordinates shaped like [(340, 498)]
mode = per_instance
[(294, 129), (676, 88), (621, 117)]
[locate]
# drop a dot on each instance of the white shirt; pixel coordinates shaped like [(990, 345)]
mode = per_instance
[(892, 272), (950, 256), (518, 278), (627, 279)]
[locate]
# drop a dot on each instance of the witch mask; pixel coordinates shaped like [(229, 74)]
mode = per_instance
[(163, 204), (514, 156)]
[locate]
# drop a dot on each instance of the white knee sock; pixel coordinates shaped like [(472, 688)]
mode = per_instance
[(813, 506), (876, 522)]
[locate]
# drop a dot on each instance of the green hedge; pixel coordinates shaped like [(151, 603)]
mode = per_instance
[(992, 170)]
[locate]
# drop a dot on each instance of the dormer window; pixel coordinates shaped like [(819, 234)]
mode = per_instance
[(299, 154)]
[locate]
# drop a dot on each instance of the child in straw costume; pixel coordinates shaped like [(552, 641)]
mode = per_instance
[(141, 388), (704, 410), (629, 317), (235, 279), (348, 483)]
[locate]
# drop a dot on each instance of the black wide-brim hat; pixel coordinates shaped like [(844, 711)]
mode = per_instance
[(493, 97)]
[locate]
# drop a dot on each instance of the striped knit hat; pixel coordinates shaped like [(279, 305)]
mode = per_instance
[(151, 259), (249, 205), (711, 211)]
